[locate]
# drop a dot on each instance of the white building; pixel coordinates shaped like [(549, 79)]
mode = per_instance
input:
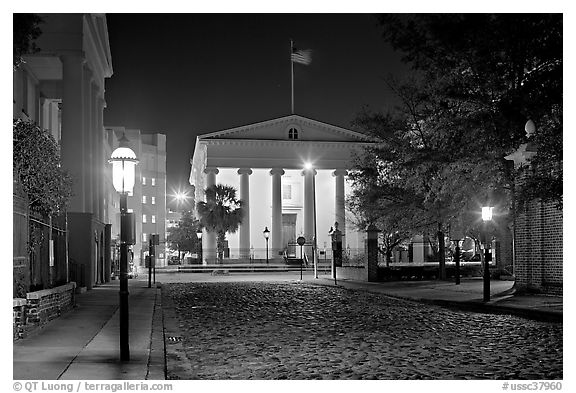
[(148, 199), (266, 162), (62, 89)]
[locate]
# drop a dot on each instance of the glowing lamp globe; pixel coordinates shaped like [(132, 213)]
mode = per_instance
[(487, 213), (124, 162)]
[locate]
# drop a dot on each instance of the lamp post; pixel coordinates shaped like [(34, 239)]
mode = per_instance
[(124, 161), (199, 236), (266, 233), (486, 217), (457, 261)]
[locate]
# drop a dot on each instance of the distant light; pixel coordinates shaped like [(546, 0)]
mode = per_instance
[(307, 165), (487, 213)]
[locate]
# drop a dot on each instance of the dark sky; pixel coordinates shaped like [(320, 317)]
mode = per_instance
[(189, 74)]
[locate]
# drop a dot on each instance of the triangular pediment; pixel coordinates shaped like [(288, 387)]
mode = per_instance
[(283, 129)]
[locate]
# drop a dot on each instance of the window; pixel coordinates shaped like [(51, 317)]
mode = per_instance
[(293, 133), (153, 200), (153, 219), (144, 218), (144, 237), (153, 181), (286, 191), (143, 198), (143, 181)]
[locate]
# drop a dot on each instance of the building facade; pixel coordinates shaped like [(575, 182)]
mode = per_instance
[(148, 199), (62, 89), (291, 174), (538, 236)]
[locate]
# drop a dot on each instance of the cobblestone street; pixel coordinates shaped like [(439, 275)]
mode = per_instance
[(301, 331)]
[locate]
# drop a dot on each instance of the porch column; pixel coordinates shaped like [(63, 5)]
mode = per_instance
[(309, 203), (277, 241), (97, 170), (209, 238), (245, 225), (89, 166), (102, 208), (73, 139), (339, 203)]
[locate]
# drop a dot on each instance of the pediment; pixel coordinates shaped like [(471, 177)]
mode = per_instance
[(283, 129)]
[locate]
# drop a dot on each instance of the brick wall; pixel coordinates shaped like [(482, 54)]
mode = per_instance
[(40, 307), (538, 244)]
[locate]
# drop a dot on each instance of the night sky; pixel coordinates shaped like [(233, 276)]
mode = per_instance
[(189, 74)]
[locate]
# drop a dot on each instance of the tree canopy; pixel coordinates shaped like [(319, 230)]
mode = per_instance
[(38, 168), (490, 73), (475, 81), (221, 213), (26, 30), (182, 237)]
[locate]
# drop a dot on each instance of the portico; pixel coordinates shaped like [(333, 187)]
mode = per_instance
[(265, 162)]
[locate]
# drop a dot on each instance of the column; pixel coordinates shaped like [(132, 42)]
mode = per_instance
[(209, 238), (89, 166), (72, 125), (339, 203), (309, 203), (276, 232), (100, 143), (96, 162), (245, 226)]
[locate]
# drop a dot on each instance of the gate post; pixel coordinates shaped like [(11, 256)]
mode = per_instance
[(372, 252)]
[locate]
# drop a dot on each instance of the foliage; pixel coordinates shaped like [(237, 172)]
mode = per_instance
[(222, 212), (26, 30), (545, 176), (497, 71), (38, 169), (476, 80), (182, 237)]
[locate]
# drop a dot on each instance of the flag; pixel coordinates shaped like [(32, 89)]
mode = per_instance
[(302, 56)]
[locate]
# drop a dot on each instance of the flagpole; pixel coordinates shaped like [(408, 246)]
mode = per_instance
[(292, 72)]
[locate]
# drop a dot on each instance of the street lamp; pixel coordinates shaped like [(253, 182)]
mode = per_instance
[(124, 161), (199, 236), (486, 217), (266, 233)]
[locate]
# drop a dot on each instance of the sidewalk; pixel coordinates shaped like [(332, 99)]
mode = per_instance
[(468, 295), (84, 343)]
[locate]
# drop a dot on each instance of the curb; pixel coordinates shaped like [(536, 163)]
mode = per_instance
[(157, 359)]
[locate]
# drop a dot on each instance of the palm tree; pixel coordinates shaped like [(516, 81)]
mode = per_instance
[(221, 213)]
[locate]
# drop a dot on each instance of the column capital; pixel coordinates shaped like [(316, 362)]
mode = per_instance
[(211, 170), (244, 171), (340, 172), (277, 171), (308, 172)]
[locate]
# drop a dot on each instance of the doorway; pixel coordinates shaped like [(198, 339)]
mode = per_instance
[(289, 228)]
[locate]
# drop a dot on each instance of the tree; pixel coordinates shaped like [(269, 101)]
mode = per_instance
[(221, 213), (500, 70), (26, 30), (182, 237), (38, 168), (476, 80)]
